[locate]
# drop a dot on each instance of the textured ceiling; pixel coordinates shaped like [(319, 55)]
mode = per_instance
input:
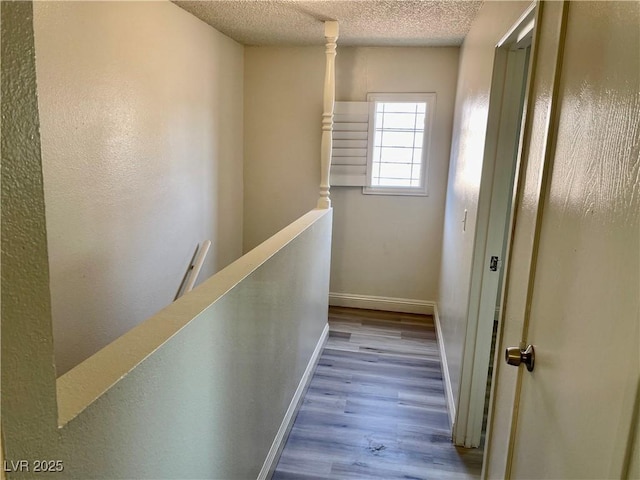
[(362, 22)]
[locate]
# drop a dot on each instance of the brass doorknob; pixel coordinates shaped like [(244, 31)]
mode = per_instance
[(515, 356)]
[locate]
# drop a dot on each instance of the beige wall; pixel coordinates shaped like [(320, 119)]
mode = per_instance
[(208, 403), (469, 130), (282, 112), (26, 366), (383, 245), (122, 414), (141, 121), (390, 245)]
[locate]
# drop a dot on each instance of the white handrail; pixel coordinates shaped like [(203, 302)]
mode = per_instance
[(197, 265)]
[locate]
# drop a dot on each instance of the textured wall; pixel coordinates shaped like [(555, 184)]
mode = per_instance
[(197, 391), (387, 245), (469, 130), (141, 114), (282, 113), (28, 375), (383, 245), (209, 401)]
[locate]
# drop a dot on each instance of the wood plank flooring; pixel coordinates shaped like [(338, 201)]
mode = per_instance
[(375, 407)]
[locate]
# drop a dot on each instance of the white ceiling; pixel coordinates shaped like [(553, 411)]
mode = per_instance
[(362, 22)]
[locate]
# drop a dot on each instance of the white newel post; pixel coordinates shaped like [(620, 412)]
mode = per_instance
[(331, 36)]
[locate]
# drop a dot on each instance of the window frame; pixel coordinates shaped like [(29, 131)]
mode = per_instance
[(430, 100)]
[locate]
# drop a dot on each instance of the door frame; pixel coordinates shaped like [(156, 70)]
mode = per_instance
[(534, 168), (506, 89)]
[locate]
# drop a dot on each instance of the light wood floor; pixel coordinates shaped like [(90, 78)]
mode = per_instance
[(375, 407)]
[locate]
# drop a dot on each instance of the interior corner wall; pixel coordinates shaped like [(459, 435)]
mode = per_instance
[(141, 125), (385, 246), (283, 91), (463, 187)]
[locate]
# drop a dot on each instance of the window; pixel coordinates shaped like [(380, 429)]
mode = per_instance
[(398, 143), (382, 144)]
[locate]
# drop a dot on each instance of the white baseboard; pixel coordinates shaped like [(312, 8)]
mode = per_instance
[(387, 304), (271, 461), (448, 390)]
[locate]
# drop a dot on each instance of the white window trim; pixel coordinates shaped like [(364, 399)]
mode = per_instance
[(430, 100)]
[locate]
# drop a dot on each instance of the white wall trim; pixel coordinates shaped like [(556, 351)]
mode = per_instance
[(448, 391), (279, 441), (387, 304)]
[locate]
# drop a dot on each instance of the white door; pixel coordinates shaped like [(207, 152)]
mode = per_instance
[(576, 414)]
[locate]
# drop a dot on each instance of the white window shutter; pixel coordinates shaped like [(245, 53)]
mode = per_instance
[(350, 141)]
